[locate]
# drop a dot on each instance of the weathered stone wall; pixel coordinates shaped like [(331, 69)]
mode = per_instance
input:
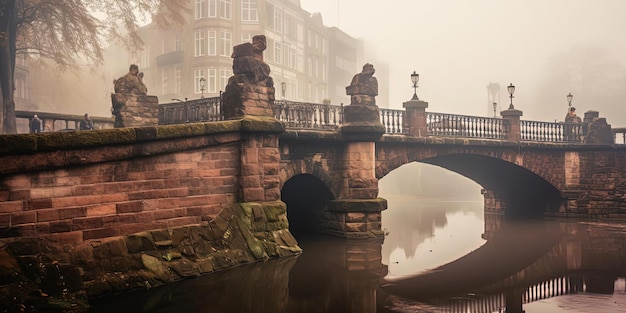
[(119, 209)]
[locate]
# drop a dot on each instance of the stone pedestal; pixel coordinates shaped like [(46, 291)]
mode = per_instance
[(361, 123), (135, 110), (247, 99), (512, 119), (415, 121), (354, 218)]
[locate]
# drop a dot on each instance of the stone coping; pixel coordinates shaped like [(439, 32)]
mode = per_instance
[(21, 144), (335, 136)]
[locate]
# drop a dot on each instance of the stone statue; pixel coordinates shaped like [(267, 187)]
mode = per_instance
[(250, 91), (129, 104), (364, 86), (131, 82), (248, 64)]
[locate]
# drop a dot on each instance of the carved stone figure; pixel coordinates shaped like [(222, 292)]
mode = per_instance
[(129, 104), (364, 86), (362, 117), (250, 91), (130, 83)]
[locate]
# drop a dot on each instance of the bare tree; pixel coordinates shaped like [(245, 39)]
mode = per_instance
[(65, 31)]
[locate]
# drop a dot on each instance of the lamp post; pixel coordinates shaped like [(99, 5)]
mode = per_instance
[(569, 99), (202, 83), (511, 90), (415, 78), (495, 106), (283, 87)]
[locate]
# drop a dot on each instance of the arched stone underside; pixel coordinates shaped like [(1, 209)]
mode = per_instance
[(516, 182), (288, 170), (306, 197)]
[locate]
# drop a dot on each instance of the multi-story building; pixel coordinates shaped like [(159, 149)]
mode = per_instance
[(310, 62)]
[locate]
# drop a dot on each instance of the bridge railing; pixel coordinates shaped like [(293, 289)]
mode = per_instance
[(443, 124), (308, 115), (52, 122), (197, 110), (553, 132), (393, 120)]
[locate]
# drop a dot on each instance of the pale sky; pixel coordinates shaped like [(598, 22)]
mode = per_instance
[(458, 47)]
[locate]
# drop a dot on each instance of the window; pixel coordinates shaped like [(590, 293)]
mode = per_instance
[(144, 58), (201, 44), (277, 52), (164, 80), (248, 11), (290, 56), (178, 45), (21, 87), (177, 79), (211, 80), (278, 21), (225, 9), (246, 37), (212, 42), (197, 73), (212, 8), (225, 43), (225, 74), (201, 9)]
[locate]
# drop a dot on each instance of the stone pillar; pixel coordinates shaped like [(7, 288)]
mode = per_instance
[(260, 160), (131, 110), (415, 120), (512, 118), (356, 212)]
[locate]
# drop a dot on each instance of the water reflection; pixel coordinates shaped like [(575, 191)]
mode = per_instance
[(425, 233), (441, 257)]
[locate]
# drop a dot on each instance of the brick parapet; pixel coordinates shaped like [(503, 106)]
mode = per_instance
[(129, 180)]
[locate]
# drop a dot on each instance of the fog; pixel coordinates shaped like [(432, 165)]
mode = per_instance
[(547, 49)]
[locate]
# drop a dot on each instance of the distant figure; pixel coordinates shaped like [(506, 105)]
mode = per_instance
[(572, 132), (86, 123), (130, 83), (35, 124), (571, 116)]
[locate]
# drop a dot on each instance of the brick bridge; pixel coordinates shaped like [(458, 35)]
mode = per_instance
[(147, 205)]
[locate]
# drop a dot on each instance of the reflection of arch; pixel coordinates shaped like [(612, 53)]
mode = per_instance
[(512, 248), (306, 196)]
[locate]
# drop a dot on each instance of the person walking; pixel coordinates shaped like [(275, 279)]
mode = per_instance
[(35, 124), (86, 123)]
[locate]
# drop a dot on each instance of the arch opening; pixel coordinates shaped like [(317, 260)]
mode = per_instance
[(305, 196), (526, 194)]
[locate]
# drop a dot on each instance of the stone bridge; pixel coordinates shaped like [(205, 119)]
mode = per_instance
[(145, 205)]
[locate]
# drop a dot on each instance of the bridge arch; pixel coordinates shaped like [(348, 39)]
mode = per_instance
[(305, 196), (523, 187)]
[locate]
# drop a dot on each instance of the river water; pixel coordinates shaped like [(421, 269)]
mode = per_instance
[(438, 256)]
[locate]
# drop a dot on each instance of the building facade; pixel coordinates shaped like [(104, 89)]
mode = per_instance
[(310, 62)]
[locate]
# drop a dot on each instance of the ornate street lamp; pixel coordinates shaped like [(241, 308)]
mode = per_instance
[(202, 83), (495, 106), (569, 99), (283, 85), (415, 78), (511, 90)]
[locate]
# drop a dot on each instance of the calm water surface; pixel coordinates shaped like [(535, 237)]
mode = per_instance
[(439, 256)]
